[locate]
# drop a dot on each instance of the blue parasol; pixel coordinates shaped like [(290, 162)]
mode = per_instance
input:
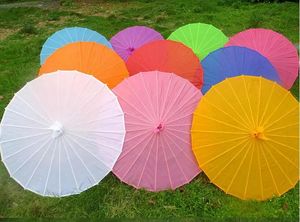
[(69, 35), (233, 61)]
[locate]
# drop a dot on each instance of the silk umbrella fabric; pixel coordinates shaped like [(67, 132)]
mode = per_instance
[(233, 61), (167, 56), (200, 37), (275, 47), (61, 133), (88, 57), (128, 40), (245, 136), (157, 153), (69, 35)]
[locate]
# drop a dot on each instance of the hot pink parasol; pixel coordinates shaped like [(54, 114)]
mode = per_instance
[(275, 47), (157, 153)]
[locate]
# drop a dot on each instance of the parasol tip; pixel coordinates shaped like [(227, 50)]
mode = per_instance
[(57, 129), (159, 128), (130, 49), (259, 134)]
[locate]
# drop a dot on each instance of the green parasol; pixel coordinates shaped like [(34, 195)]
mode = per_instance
[(201, 38)]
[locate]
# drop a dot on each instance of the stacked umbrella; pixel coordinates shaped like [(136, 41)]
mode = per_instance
[(65, 130)]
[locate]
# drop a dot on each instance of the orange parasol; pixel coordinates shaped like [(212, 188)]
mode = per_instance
[(88, 57)]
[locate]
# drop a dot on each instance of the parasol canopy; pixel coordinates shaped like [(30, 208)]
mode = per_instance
[(69, 35), (61, 133), (157, 153), (245, 136), (128, 40), (275, 47), (200, 37), (88, 57), (167, 56), (233, 61)]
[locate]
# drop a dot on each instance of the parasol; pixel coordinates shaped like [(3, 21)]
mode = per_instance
[(167, 56), (275, 47), (233, 61), (157, 153), (245, 136), (88, 57), (69, 35), (128, 40), (201, 38), (61, 133)]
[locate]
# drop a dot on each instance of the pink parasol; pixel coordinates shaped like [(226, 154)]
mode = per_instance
[(157, 152), (275, 47)]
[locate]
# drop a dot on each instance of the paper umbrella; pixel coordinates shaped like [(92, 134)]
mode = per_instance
[(69, 35), (88, 57), (245, 136), (233, 61), (167, 56), (157, 153), (275, 47), (61, 133), (130, 39), (200, 37)]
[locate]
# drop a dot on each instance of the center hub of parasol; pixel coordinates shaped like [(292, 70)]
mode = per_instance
[(130, 49), (159, 128), (57, 129), (259, 134)]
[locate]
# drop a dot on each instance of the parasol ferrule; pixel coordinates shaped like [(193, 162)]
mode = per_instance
[(57, 129), (259, 134)]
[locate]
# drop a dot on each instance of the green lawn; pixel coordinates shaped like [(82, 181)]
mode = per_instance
[(22, 33)]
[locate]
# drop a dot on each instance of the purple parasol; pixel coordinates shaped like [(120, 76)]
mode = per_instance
[(131, 38)]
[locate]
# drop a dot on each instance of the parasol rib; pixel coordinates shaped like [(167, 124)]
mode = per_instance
[(31, 108), (223, 142), (178, 147), (227, 114), (281, 117), (50, 167), (89, 152), (78, 156), (225, 152), (92, 141), (39, 162), (238, 100), (20, 150), (22, 138), (26, 117), (279, 166), (248, 100), (29, 158), (238, 169), (163, 149), (267, 105), (242, 120), (275, 110), (219, 121), (284, 156), (70, 164), (260, 169), (174, 156), (249, 170), (97, 120), (137, 157), (143, 169), (292, 148), (269, 169)]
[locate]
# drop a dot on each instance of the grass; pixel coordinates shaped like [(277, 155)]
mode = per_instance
[(22, 33)]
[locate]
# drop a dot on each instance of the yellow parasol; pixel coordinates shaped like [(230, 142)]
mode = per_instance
[(245, 137)]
